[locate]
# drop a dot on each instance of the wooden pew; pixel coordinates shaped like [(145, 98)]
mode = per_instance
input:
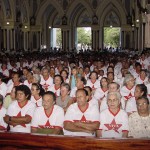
[(32, 141)]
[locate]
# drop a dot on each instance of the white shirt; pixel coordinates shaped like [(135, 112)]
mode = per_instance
[(94, 85), (2, 114), (42, 120), (131, 105), (148, 91), (15, 110), (5, 72), (113, 125), (140, 81), (10, 86), (3, 89), (53, 89), (46, 83), (27, 83), (74, 114), (127, 93), (99, 94), (38, 102)]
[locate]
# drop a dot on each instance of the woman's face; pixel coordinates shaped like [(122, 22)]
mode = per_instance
[(64, 91), (93, 76), (74, 71), (34, 90), (57, 80), (137, 92), (131, 82), (143, 74), (142, 106), (110, 76), (12, 94), (104, 82), (64, 75), (113, 102)]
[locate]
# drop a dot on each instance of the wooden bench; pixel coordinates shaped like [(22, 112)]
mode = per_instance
[(32, 141)]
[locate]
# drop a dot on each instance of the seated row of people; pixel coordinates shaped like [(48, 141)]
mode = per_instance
[(82, 118)]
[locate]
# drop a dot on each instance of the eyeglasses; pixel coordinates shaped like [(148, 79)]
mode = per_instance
[(142, 104), (112, 100)]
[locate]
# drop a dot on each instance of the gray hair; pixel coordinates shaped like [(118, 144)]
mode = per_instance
[(46, 68), (37, 78), (117, 94), (127, 78), (66, 85)]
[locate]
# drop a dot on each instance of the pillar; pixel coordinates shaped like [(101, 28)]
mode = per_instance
[(97, 38)]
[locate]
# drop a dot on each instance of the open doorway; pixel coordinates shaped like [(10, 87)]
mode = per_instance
[(83, 38), (112, 38), (56, 38)]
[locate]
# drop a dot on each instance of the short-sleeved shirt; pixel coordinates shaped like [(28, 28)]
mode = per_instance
[(74, 114), (53, 89), (15, 110), (127, 93), (3, 125), (113, 125), (131, 105), (42, 120), (100, 94), (38, 102)]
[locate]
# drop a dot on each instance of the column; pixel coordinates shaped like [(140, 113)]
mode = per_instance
[(24, 41), (143, 35), (133, 42), (95, 39), (28, 43), (0, 39), (11, 39), (8, 39), (40, 39), (101, 39), (14, 37), (122, 41), (137, 38)]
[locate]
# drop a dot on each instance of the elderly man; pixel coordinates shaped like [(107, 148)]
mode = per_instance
[(114, 121)]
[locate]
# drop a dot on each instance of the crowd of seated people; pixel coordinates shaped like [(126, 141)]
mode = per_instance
[(101, 94)]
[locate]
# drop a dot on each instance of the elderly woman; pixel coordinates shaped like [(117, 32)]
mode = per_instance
[(139, 122), (36, 78), (140, 90), (114, 121), (127, 91), (64, 100)]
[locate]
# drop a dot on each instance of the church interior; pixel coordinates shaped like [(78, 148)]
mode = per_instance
[(58, 93)]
